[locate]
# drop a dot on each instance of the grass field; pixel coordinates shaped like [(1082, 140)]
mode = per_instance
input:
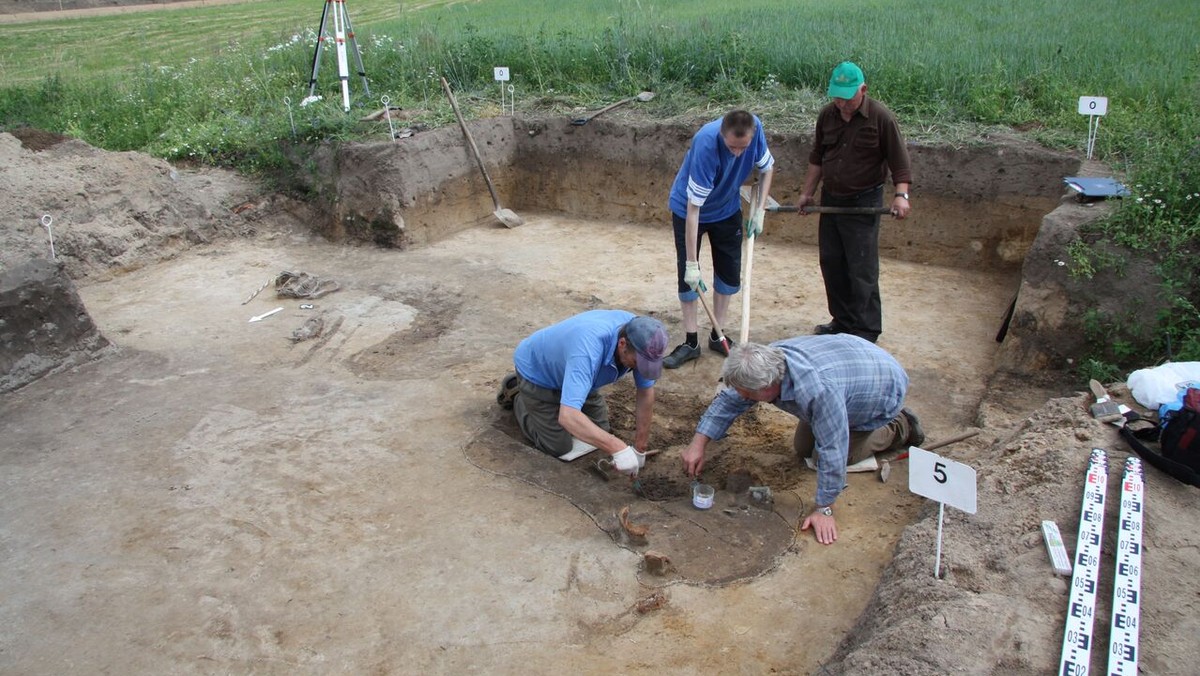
[(217, 83)]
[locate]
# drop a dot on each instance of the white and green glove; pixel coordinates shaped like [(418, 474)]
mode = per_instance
[(626, 461), (691, 276), (755, 224)]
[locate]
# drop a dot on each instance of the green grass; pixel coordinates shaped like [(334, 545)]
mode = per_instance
[(223, 83)]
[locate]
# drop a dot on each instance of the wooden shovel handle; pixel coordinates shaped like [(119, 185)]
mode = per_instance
[(471, 142)]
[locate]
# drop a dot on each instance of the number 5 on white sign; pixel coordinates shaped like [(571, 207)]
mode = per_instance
[(946, 481)]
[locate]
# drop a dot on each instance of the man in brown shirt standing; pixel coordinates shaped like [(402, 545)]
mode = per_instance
[(857, 143)]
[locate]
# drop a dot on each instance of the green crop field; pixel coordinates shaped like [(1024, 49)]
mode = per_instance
[(223, 83)]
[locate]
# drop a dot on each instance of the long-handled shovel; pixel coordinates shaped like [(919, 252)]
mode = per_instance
[(713, 318), (505, 216), (643, 97), (748, 261), (776, 207), (716, 327)]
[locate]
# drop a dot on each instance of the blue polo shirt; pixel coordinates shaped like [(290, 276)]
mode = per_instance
[(576, 355), (710, 176), (836, 384)]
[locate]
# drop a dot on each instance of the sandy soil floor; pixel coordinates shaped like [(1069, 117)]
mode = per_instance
[(214, 497)]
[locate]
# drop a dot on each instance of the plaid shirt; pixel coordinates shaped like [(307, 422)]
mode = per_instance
[(836, 384)]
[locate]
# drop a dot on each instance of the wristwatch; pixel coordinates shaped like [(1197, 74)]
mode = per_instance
[(827, 511), (902, 194)]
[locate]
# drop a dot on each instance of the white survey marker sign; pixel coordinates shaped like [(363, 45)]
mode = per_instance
[(1093, 105), (501, 74), (937, 478)]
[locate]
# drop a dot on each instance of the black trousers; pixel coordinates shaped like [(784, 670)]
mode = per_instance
[(849, 250)]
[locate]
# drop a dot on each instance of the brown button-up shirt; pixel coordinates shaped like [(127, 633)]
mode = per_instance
[(856, 156)]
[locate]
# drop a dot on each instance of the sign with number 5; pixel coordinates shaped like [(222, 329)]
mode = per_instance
[(937, 478)]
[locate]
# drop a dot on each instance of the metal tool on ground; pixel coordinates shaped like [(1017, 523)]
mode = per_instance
[(885, 466), (505, 216), (1105, 409), (776, 207), (343, 31), (259, 318), (643, 97), (605, 469)]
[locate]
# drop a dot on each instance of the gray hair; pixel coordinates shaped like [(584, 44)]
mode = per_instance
[(752, 366)]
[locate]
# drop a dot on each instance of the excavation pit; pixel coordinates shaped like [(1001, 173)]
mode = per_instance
[(233, 500)]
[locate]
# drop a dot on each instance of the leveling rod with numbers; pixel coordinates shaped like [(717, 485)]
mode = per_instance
[(1081, 608), (1127, 578), (1127, 581)]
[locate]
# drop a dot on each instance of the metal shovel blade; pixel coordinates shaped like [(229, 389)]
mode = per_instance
[(508, 218)]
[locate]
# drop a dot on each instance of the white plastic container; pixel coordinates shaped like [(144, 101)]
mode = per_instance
[(702, 496)]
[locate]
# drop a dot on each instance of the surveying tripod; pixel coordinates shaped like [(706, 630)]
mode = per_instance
[(342, 31)]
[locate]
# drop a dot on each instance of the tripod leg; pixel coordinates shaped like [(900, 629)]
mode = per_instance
[(362, 72), (339, 33), (316, 60)]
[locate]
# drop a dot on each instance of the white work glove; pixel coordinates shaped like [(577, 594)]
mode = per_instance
[(691, 275), (754, 225), (641, 459), (626, 461)]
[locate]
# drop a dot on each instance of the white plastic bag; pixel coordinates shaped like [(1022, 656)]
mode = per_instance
[(1156, 386)]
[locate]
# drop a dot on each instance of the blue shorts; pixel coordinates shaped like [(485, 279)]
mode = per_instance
[(725, 236)]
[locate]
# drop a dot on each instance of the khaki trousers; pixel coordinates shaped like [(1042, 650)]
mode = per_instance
[(536, 409), (892, 436)]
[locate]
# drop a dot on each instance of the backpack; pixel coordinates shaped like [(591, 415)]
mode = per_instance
[(1178, 438)]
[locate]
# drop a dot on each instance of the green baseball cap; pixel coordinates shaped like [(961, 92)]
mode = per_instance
[(845, 81)]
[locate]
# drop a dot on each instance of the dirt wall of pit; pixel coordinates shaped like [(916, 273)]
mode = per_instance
[(998, 205), (978, 207)]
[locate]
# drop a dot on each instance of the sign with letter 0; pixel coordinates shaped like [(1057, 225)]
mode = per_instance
[(501, 73), (1093, 105), (937, 478)]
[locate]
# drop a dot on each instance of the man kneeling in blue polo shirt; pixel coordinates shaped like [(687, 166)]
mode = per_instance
[(555, 392)]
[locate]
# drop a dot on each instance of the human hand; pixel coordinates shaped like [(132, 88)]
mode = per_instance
[(691, 276), (900, 207), (693, 460), (804, 201), (626, 461), (755, 224), (824, 527), (641, 458)]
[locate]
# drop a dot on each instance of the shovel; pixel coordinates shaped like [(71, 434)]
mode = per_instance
[(776, 207), (644, 96), (748, 260), (505, 216)]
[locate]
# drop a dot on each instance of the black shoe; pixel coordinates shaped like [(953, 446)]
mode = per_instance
[(716, 346), (916, 435), (681, 355), (509, 386), (826, 329)]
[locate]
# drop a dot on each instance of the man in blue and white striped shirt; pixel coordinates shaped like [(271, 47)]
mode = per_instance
[(847, 393), (705, 199)]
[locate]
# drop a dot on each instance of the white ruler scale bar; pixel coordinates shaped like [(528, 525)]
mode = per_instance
[(1081, 609), (1127, 581)]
